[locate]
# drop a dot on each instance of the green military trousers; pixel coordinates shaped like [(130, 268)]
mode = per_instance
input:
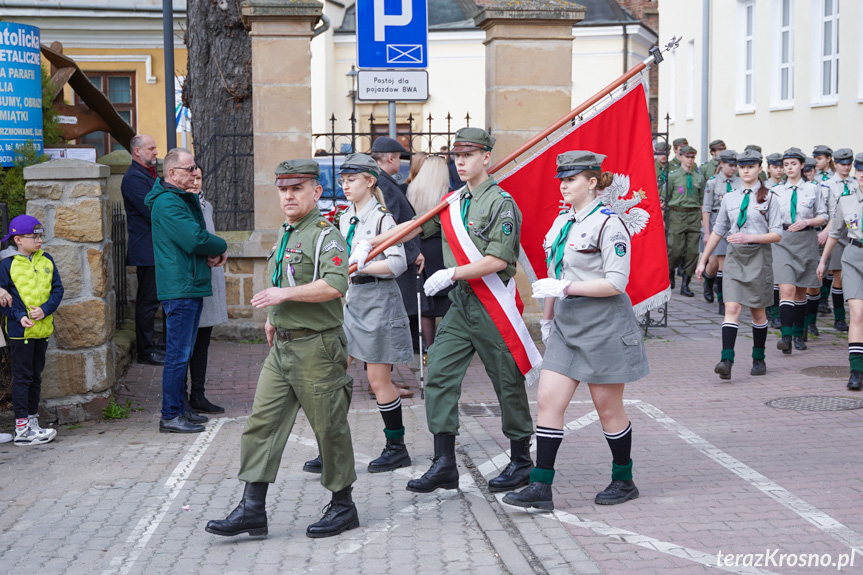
[(466, 328), (308, 372), (684, 235)]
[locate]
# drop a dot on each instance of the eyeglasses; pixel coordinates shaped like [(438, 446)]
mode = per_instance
[(37, 237), (191, 169)]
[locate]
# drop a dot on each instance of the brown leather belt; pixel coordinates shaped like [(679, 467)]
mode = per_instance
[(677, 209), (292, 334)]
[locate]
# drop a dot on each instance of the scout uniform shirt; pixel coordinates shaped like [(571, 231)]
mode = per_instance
[(708, 168), (686, 190), (810, 203), (595, 244), (716, 188), (308, 257), (761, 218), (373, 220), (835, 188), (493, 223), (849, 210)]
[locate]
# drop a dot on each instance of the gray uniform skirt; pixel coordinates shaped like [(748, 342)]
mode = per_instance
[(852, 272), (722, 246), (835, 262), (748, 275), (376, 323), (795, 259), (596, 340)]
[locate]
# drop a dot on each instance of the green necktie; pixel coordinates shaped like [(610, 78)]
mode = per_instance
[(741, 219), (689, 190), (465, 204), (847, 191), (555, 257), (793, 204), (351, 230), (825, 176), (280, 253), (727, 186)]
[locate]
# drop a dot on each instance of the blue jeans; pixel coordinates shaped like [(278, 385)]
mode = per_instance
[(182, 317)]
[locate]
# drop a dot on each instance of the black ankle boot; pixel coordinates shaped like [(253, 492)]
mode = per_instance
[(314, 465), (394, 455), (192, 414), (536, 495), (759, 367), (443, 472), (684, 286), (799, 344), (707, 288), (723, 368), (200, 403), (855, 382), (250, 516), (618, 491), (671, 278), (784, 344), (517, 473), (339, 515)]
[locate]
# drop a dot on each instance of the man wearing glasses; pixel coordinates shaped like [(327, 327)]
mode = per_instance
[(184, 251)]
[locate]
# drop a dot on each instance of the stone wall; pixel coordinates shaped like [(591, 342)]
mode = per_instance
[(70, 198)]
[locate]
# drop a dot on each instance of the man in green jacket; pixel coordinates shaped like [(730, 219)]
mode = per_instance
[(185, 251)]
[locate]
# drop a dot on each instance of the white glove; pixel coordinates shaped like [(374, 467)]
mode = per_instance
[(545, 327), (360, 253), (439, 280), (549, 287)]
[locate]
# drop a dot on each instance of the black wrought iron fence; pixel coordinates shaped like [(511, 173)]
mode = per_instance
[(118, 239)]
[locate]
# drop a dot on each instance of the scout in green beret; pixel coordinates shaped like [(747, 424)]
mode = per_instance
[(307, 271), (725, 180), (674, 163), (660, 163), (686, 198), (494, 224), (709, 168)]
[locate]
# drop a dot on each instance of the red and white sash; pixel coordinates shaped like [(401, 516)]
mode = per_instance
[(498, 299)]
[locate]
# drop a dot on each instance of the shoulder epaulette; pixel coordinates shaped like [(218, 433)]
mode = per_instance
[(323, 223), (713, 177), (383, 210), (504, 193)]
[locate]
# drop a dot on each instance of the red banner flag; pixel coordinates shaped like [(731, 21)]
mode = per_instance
[(622, 132)]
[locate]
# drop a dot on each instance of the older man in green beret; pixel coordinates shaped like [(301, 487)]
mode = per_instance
[(307, 271)]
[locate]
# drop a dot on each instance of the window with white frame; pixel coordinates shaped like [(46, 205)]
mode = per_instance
[(783, 53), (825, 40), (690, 80), (746, 57)]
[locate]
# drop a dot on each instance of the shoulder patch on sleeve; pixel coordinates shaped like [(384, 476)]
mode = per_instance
[(507, 228), (607, 212), (383, 210), (620, 249), (333, 245)]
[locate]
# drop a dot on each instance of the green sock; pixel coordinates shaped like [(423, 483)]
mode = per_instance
[(785, 330), (774, 312), (757, 353), (621, 472), (728, 354), (811, 319), (798, 331), (394, 433), (856, 361), (542, 475), (838, 313)]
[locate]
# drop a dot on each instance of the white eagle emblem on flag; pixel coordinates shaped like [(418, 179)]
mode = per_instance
[(614, 196)]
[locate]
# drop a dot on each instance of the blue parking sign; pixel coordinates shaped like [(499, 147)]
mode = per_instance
[(392, 34)]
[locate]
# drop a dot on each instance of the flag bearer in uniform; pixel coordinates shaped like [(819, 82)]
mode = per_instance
[(684, 219), (376, 322), (749, 220), (725, 180), (592, 334), (834, 187), (307, 272), (492, 221), (846, 222), (804, 212)]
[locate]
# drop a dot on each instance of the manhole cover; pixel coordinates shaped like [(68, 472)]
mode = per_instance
[(480, 409), (816, 403), (828, 371)]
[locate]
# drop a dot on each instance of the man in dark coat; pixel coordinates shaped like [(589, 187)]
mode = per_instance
[(387, 153), (137, 183)]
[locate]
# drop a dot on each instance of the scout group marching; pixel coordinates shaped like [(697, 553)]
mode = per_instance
[(588, 326), (777, 242)]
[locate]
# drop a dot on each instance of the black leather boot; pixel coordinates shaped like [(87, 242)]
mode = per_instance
[(684, 286), (784, 344), (799, 344), (517, 473), (443, 472), (707, 288), (250, 516), (192, 415), (340, 514), (617, 491), (314, 465), (840, 325), (536, 495), (855, 382), (759, 367), (813, 330), (723, 368), (200, 403), (394, 455), (671, 278)]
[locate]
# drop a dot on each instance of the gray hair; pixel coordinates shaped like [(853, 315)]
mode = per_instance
[(172, 158)]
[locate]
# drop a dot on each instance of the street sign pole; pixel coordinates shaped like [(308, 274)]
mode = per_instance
[(392, 110)]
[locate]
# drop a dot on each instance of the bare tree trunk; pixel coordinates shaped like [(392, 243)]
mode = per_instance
[(218, 92)]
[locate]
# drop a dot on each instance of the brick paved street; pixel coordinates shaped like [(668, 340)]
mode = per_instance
[(719, 471)]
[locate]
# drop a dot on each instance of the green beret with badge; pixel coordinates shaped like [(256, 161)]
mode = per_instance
[(716, 144), (686, 150), (470, 139), (293, 172), (660, 149), (680, 142), (577, 161)]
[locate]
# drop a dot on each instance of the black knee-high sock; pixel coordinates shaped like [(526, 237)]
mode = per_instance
[(759, 340), (786, 316), (717, 285), (775, 295), (729, 337), (799, 318), (547, 443), (620, 444), (812, 302), (838, 303), (392, 414)]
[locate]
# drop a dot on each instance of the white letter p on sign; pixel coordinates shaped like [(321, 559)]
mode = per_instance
[(383, 20)]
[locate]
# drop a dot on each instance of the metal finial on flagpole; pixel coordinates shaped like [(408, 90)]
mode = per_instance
[(656, 53)]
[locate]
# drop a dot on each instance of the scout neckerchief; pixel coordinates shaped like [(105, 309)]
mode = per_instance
[(465, 204), (793, 204), (280, 255), (727, 186), (741, 219), (350, 237), (824, 176), (689, 190), (555, 255), (500, 300)]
